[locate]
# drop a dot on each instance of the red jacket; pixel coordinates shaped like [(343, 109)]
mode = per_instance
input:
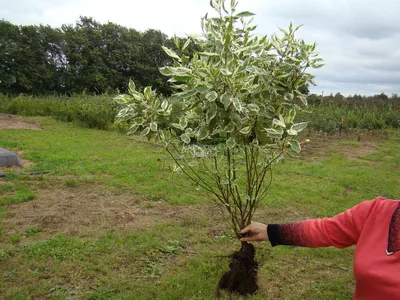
[(373, 226)]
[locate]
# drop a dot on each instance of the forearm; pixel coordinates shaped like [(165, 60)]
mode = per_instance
[(311, 233)]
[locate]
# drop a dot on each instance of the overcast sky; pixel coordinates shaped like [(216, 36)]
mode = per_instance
[(358, 39)]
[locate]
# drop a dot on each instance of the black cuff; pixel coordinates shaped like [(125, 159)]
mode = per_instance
[(273, 234)]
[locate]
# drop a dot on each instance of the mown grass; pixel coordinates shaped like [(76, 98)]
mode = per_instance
[(175, 259)]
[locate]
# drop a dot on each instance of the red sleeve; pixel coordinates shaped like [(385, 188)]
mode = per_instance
[(342, 230)]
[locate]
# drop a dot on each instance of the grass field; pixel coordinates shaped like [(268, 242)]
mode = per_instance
[(111, 222)]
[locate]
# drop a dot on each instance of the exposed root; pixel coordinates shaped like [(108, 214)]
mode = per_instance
[(242, 276)]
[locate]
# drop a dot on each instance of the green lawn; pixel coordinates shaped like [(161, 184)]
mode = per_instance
[(175, 247)]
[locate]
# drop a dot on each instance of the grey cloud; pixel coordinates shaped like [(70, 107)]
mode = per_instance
[(358, 39)]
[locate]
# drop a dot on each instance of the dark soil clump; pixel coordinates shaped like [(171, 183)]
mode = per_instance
[(242, 276)]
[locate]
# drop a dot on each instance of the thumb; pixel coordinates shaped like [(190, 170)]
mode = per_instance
[(245, 230)]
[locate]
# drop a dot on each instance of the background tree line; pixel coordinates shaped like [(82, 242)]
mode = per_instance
[(88, 56), (98, 58)]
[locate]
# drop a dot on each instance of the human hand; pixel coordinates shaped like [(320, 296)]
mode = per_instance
[(257, 232)]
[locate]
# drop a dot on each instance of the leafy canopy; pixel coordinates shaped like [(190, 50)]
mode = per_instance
[(239, 88)]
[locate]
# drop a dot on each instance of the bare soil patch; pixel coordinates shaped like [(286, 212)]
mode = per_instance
[(90, 209), (321, 144), (15, 122)]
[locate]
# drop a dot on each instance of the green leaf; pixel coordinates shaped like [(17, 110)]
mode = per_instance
[(278, 123), (291, 132), (226, 100), (295, 145), (145, 131), (236, 120), (231, 143), (203, 133), (153, 126), (211, 96), (211, 112), (299, 126), (212, 125), (185, 138), (202, 88), (244, 14), (289, 96), (171, 53)]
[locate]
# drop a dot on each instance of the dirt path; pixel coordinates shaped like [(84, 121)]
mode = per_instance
[(15, 122)]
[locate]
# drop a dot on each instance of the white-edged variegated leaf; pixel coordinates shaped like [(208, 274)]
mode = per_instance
[(253, 107), (211, 96), (292, 115), (203, 133), (246, 130), (303, 99), (299, 126), (187, 43), (131, 86), (183, 122), (164, 104), (210, 54), (236, 104), (295, 146), (292, 132), (134, 128), (185, 138), (230, 128), (175, 71), (289, 96), (123, 112), (153, 126), (139, 121), (226, 72), (278, 123), (145, 131), (244, 14), (178, 126), (171, 53), (226, 100), (273, 133), (231, 143), (122, 99)]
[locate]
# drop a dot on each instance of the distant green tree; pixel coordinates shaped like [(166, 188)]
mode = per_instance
[(304, 89), (382, 96), (152, 57), (8, 48)]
